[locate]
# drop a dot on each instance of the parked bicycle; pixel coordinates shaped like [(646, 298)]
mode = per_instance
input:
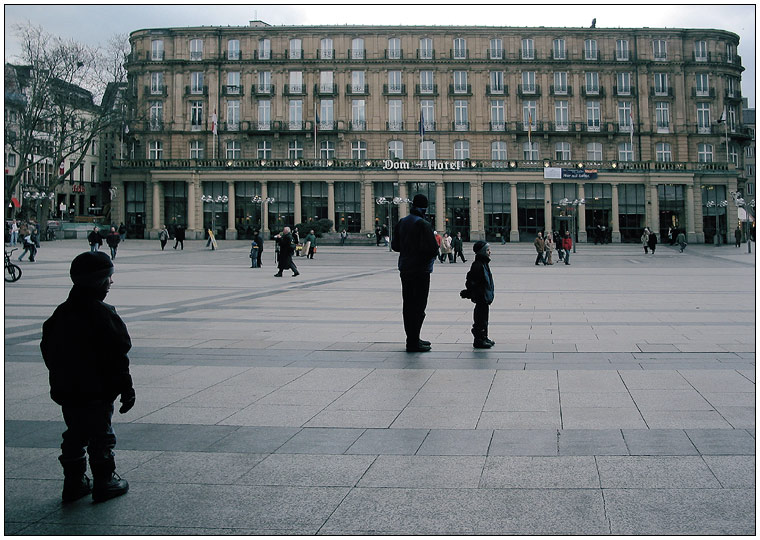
[(12, 271)]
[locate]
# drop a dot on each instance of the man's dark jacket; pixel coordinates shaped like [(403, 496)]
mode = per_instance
[(85, 345), (285, 256), (95, 238), (413, 238), (113, 239), (479, 281)]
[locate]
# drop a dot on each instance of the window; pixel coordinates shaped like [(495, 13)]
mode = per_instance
[(461, 122), (196, 49), (196, 150), (700, 51), (461, 150), (592, 83), (497, 115), (703, 84), (558, 49), (530, 151), (233, 114), (562, 151), (295, 149), (196, 115), (704, 153), (729, 53), (264, 114), (233, 49), (625, 152), (426, 49), (326, 150), (295, 114), (395, 150), (529, 114), (499, 151), (326, 114), (295, 84), (394, 48), (625, 121), (295, 49), (264, 84), (660, 49), (265, 49), (660, 84), (594, 151), (155, 150), (326, 82), (527, 51), (621, 50), (560, 82), (496, 49), (264, 150), (593, 116), (460, 48), (395, 115), (427, 109), (460, 82), (703, 118), (357, 82), (232, 150), (662, 152), (394, 82), (359, 150), (427, 150), (196, 82), (497, 82), (590, 51), (733, 154), (326, 49), (427, 85), (529, 82), (731, 118), (357, 49), (662, 113), (157, 82), (561, 115), (156, 115), (624, 84), (730, 87), (358, 115), (233, 81), (157, 49), (11, 160)]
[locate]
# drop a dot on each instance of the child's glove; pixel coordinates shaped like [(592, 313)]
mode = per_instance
[(464, 293), (127, 400)]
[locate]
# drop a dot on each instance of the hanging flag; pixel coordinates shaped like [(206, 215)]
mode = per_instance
[(722, 116), (316, 128), (530, 126), (422, 127), (630, 114), (214, 123)]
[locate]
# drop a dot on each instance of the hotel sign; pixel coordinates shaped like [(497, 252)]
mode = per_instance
[(427, 164), (572, 174)]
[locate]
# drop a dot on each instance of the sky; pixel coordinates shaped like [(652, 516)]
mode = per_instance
[(96, 23)]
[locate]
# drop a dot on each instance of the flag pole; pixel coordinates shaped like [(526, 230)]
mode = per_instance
[(633, 155), (316, 121)]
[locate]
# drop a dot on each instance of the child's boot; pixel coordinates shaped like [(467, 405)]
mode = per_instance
[(75, 482), (106, 483)]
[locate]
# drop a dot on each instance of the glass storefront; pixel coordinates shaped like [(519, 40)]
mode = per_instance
[(389, 190), (348, 204), (175, 205), (280, 212), (530, 210), (632, 211), (497, 211), (671, 202), (215, 214), (428, 190), (562, 216), (134, 197), (313, 201), (714, 214), (247, 212), (598, 210), (458, 209)]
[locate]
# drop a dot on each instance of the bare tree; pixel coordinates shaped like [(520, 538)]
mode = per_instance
[(53, 90)]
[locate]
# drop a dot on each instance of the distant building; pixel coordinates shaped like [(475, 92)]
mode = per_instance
[(502, 128)]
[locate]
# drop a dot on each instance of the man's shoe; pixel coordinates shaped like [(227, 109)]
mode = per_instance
[(108, 487), (418, 348), (75, 488), (481, 344), (278, 275), (297, 274), (425, 343), (490, 341)]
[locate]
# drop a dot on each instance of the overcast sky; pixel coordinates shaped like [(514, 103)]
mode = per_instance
[(97, 23)]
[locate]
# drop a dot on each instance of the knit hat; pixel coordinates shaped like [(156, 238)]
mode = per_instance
[(420, 201), (480, 246), (89, 268)]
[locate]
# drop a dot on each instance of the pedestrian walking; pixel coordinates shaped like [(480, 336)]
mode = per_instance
[(385, 232), (95, 239), (113, 239), (29, 247), (89, 369), (296, 242), (438, 240), (738, 236), (179, 237), (378, 231), (310, 244), (122, 231), (254, 254), (479, 289), (260, 243), (415, 242), (548, 249), (645, 240), (681, 240), (163, 236), (343, 237), (446, 249), (504, 234), (14, 233), (286, 244), (652, 241), (538, 243), (458, 245), (557, 238), (567, 245)]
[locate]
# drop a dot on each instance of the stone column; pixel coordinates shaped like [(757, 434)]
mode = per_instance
[(616, 236), (296, 202), (548, 207), (264, 208), (403, 208), (691, 233), (514, 233), (580, 214), (231, 231), (331, 203), (477, 229), (191, 202), (156, 209), (440, 208), (369, 208), (654, 211)]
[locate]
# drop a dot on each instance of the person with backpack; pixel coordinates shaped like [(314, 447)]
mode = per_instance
[(479, 288)]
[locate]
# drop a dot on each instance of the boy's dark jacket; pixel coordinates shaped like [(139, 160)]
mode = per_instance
[(479, 281)]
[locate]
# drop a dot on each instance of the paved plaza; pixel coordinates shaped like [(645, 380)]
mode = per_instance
[(619, 397)]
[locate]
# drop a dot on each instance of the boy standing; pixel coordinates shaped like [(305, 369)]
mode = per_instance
[(480, 290), (88, 370)]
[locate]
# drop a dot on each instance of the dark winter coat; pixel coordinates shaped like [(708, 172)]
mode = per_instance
[(95, 238), (456, 244), (652, 240), (85, 345), (479, 281), (285, 256), (113, 239), (413, 238), (179, 233)]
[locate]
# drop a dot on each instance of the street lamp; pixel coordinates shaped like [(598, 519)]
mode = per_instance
[(222, 199), (258, 199), (574, 203), (716, 205), (742, 204), (394, 201), (39, 196)]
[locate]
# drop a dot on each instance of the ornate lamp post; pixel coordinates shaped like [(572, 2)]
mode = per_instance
[(38, 197), (575, 204), (742, 204), (396, 201), (258, 199), (222, 199)]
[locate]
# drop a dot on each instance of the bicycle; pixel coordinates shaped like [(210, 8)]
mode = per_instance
[(12, 271)]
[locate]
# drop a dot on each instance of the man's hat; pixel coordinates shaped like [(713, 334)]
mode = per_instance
[(420, 201), (89, 268)]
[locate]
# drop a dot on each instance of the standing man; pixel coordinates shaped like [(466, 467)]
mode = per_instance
[(652, 241), (310, 244), (414, 240), (88, 370), (14, 233), (122, 231), (738, 236), (260, 243), (285, 258), (567, 245), (538, 243)]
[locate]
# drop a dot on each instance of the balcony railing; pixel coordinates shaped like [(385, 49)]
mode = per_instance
[(394, 90), (703, 92), (460, 126), (420, 90), (460, 90), (529, 90), (325, 89), (160, 91), (294, 90), (593, 92), (232, 90), (356, 54), (626, 91), (190, 91), (425, 54), (661, 92), (358, 90), (503, 90), (263, 89), (394, 54), (358, 125), (394, 126), (566, 90)]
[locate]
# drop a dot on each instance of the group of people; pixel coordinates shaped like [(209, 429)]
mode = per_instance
[(28, 234), (449, 247), (545, 245), (113, 238)]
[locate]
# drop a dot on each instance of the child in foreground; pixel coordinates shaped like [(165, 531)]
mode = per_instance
[(480, 290)]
